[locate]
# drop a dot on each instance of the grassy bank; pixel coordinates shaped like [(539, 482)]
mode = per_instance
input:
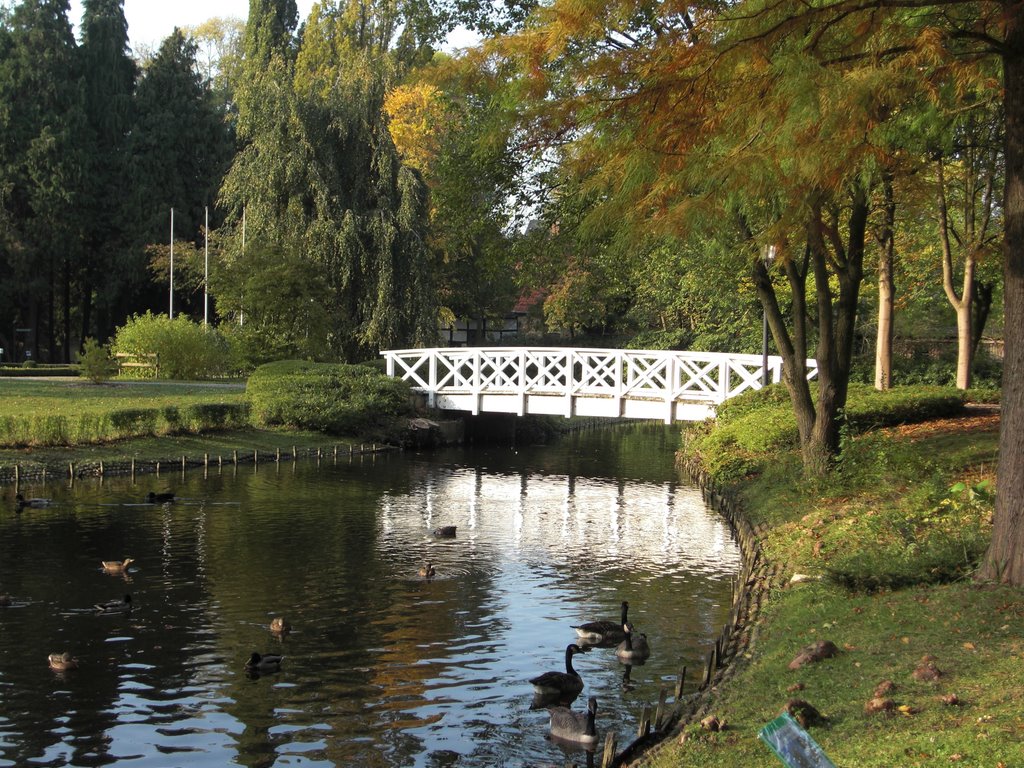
[(48, 426), (74, 412), (889, 543)]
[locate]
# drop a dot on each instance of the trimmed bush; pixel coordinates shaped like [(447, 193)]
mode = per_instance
[(328, 397), (38, 370), (187, 350)]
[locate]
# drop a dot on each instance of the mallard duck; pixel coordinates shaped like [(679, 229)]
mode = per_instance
[(115, 606), (445, 532), (577, 727), (61, 662), (603, 631), (117, 566), (279, 626), (428, 571), (568, 683), (159, 498), (635, 647), (267, 662), (22, 503)]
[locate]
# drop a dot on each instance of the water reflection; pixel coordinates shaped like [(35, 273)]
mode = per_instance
[(381, 667)]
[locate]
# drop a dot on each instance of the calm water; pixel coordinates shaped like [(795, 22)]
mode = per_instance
[(381, 668)]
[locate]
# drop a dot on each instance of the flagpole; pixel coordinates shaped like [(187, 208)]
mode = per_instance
[(206, 272), (170, 304)]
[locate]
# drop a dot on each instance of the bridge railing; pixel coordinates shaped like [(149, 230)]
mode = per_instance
[(670, 377)]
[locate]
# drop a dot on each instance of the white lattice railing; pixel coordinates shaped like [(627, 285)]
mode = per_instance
[(604, 381)]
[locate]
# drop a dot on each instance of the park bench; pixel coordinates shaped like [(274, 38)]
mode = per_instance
[(148, 360)]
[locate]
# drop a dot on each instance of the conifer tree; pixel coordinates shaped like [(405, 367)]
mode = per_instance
[(42, 168), (109, 83)]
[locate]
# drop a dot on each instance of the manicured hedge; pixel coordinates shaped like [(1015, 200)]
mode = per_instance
[(328, 397), (38, 370)]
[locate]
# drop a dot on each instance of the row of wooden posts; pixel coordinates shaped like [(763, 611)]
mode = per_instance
[(254, 457), (655, 727)]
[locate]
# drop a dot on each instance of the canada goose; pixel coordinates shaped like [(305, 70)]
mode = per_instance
[(634, 648), (428, 571), (445, 532), (267, 662), (577, 727), (22, 503), (279, 626), (568, 683), (159, 498), (603, 631), (61, 662), (117, 566), (115, 606)]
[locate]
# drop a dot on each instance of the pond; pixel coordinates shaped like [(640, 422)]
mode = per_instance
[(381, 667)]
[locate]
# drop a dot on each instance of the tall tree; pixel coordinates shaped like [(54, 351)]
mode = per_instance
[(181, 146), (42, 156), (319, 175), (109, 80), (863, 39)]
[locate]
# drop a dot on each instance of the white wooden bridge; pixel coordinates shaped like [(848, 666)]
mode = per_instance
[(667, 386)]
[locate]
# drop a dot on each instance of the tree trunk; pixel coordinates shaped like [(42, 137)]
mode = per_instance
[(886, 292), (1004, 560), (982, 308), (964, 344)]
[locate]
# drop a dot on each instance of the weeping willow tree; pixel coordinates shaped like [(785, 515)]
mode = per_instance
[(319, 176)]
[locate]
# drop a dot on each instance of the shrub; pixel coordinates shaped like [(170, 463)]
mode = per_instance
[(329, 397), (187, 350), (95, 362)]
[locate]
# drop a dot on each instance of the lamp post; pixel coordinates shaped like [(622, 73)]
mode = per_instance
[(170, 300), (767, 255)]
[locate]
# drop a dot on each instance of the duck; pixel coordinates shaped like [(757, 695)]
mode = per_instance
[(159, 498), (279, 626), (445, 532), (61, 662), (22, 503), (266, 662), (115, 606), (116, 566), (5, 600), (568, 683), (428, 571), (576, 727), (603, 631), (634, 648)]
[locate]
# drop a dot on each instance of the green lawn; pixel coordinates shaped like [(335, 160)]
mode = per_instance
[(69, 397)]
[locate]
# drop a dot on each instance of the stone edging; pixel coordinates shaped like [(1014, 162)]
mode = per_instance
[(756, 580)]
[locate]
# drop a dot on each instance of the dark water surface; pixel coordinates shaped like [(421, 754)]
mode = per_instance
[(382, 668)]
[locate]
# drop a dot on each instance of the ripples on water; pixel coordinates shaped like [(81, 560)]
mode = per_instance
[(382, 668)]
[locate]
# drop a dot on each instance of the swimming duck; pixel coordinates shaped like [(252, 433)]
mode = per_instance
[(603, 631), (22, 503), (159, 498), (635, 647), (5, 600), (61, 662), (115, 606), (445, 532), (577, 727), (568, 683), (117, 566), (428, 571), (267, 662), (279, 626)]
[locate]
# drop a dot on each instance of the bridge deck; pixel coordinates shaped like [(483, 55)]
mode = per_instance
[(637, 384)]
